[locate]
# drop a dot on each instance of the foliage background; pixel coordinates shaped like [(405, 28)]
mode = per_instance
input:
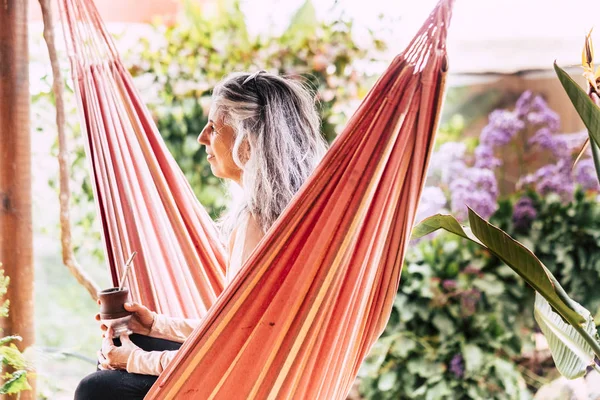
[(459, 327), (175, 68)]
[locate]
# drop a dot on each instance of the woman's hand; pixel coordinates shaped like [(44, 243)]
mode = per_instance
[(141, 320), (113, 357)]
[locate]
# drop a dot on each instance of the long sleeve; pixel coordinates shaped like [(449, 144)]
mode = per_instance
[(243, 242), (149, 362), (164, 327), (173, 328)]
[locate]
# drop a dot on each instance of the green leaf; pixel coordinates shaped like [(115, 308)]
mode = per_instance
[(17, 383), (439, 391), (531, 269), (524, 263), (586, 108), (387, 381), (11, 355), (489, 285), (473, 358), (8, 339), (446, 222), (571, 353), (511, 252), (445, 325)]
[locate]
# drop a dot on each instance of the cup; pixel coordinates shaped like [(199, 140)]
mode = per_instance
[(112, 310)]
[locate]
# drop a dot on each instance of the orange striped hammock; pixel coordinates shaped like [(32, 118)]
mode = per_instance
[(314, 296)]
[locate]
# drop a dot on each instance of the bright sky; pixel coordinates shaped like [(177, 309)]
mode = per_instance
[(485, 35)]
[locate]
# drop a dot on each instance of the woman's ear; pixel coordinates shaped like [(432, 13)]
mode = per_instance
[(244, 151)]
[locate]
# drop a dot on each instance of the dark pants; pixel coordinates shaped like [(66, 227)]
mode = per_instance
[(121, 385)]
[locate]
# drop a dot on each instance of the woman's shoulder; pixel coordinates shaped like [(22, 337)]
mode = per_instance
[(247, 233), (244, 239)]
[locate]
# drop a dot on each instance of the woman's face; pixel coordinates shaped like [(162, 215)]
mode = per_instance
[(218, 139)]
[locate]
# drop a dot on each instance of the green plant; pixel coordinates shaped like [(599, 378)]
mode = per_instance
[(565, 237), (455, 329), (569, 327), (14, 366), (183, 62)]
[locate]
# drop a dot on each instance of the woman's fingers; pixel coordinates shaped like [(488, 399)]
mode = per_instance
[(103, 362), (107, 343), (98, 318)]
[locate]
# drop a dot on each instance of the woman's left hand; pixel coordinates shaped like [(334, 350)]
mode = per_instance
[(113, 357)]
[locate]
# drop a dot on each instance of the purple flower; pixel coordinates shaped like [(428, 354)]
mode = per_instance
[(523, 103), (447, 162), (556, 144), (471, 269), (484, 157), (457, 365), (524, 213), (468, 302), (484, 179), (501, 128), (552, 178), (449, 284), (541, 114), (478, 189), (585, 174), (543, 138), (481, 202), (432, 202)]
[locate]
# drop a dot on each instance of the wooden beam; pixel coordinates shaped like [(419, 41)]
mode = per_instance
[(16, 239)]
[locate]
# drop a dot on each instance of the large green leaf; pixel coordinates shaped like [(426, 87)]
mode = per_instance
[(572, 343), (446, 222), (524, 263), (511, 252), (16, 383), (571, 353), (586, 108)]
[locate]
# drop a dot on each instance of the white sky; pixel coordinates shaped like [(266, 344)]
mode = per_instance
[(485, 35)]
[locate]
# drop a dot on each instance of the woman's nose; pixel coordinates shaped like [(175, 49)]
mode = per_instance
[(203, 137)]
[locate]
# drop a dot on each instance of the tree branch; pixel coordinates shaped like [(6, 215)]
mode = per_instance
[(68, 255)]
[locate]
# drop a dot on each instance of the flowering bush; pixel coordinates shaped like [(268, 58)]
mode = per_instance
[(457, 179), (457, 306)]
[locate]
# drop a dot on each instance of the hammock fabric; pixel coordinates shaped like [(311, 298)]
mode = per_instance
[(300, 317)]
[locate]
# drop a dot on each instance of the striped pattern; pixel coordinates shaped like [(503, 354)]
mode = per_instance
[(298, 320)]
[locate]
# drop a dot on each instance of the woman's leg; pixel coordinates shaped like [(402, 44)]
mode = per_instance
[(106, 385), (117, 385)]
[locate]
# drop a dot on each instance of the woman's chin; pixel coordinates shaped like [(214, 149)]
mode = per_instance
[(215, 171)]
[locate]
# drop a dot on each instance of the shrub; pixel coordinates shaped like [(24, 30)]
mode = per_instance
[(455, 328)]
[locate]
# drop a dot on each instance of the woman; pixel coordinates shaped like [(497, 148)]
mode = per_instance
[(263, 134)]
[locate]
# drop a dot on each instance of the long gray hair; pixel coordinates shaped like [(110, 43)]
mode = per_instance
[(277, 118)]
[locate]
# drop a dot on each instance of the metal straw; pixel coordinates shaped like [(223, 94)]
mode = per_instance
[(127, 268)]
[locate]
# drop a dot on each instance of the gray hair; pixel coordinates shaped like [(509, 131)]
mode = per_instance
[(277, 117)]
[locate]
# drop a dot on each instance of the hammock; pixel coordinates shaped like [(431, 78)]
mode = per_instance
[(304, 311)]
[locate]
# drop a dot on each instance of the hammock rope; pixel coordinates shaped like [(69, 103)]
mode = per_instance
[(314, 296)]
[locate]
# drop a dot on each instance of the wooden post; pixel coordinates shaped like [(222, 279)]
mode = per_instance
[(16, 239)]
